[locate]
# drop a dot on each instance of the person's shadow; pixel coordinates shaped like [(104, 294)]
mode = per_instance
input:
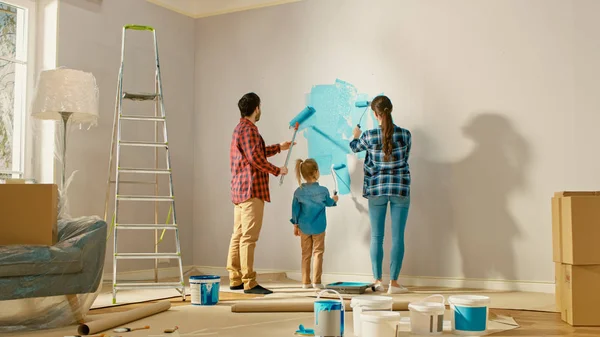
[(459, 217), (481, 187)]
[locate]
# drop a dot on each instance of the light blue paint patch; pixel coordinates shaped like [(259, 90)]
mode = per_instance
[(329, 131)]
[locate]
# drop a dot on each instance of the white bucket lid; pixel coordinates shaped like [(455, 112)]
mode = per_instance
[(380, 316), (469, 300), (371, 301), (427, 307)]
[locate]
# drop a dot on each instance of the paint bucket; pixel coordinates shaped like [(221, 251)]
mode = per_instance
[(427, 317), (329, 316), (205, 289), (361, 304), (469, 314), (379, 324)]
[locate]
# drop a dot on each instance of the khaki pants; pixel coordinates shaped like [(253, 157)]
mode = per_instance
[(248, 217), (312, 246)]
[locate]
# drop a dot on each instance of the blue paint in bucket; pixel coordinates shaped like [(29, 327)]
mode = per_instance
[(470, 314), (205, 289), (335, 308)]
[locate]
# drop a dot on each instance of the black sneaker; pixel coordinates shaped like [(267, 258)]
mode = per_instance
[(258, 290), (240, 287)]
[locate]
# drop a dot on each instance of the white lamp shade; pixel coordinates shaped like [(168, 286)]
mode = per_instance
[(66, 90)]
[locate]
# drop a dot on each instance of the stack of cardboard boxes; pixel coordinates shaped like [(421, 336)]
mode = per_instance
[(576, 254)]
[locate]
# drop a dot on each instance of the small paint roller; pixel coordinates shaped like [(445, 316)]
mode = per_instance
[(295, 123), (362, 104), (334, 179), (340, 171)]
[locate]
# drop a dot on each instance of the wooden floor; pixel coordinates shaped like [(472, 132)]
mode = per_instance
[(532, 323)]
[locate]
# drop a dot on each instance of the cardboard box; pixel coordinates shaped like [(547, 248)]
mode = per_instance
[(558, 278), (576, 228), (29, 214), (580, 294)]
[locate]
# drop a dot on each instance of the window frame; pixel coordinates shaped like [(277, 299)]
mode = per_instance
[(23, 137)]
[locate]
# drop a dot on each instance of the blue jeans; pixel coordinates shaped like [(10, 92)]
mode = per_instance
[(377, 212)]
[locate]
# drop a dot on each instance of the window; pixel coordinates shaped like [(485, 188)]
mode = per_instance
[(15, 64)]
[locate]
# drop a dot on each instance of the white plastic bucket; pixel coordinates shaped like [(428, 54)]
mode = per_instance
[(205, 289), (360, 304), (329, 316), (379, 323), (427, 317), (469, 314)]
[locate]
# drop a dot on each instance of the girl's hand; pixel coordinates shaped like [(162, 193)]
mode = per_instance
[(356, 132), (296, 230)]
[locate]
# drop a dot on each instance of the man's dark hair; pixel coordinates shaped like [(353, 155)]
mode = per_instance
[(248, 103)]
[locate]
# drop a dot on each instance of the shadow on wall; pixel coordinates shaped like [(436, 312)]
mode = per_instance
[(466, 203)]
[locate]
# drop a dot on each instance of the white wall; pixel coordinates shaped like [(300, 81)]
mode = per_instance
[(90, 40), (500, 97)]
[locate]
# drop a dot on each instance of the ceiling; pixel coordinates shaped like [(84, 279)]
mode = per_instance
[(204, 8)]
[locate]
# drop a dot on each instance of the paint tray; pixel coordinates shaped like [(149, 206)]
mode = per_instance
[(350, 287)]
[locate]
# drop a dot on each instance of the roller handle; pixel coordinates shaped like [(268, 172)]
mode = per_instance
[(287, 159)]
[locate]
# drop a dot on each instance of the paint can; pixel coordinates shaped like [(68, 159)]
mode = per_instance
[(362, 304), (469, 314), (329, 316), (205, 289), (427, 317), (379, 323)]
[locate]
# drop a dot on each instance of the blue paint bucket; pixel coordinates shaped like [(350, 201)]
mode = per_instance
[(329, 316), (469, 314), (205, 289)]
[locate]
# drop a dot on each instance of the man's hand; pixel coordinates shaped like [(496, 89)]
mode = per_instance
[(285, 145), (296, 230), (283, 170), (356, 132), (335, 198)]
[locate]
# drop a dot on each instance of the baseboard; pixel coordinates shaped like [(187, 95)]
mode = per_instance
[(423, 281), (148, 274)]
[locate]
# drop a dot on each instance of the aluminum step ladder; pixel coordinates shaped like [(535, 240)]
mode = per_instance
[(120, 200)]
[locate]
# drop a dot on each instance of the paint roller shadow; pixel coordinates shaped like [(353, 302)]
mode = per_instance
[(356, 184)]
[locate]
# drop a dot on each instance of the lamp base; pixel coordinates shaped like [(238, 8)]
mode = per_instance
[(65, 118)]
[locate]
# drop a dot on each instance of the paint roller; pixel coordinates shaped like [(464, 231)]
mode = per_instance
[(295, 123), (362, 104), (340, 171)]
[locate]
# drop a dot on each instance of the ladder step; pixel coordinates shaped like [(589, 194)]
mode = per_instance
[(157, 285), (134, 182), (152, 256), (144, 198), (140, 96), (140, 226), (144, 170), (143, 118), (142, 144)]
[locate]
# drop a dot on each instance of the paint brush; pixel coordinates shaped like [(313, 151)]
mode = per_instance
[(171, 330), (131, 329)]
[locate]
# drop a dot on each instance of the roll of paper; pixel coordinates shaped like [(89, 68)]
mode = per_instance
[(120, 318)]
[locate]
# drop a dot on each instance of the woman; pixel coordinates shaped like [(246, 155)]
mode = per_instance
[(387, 181)]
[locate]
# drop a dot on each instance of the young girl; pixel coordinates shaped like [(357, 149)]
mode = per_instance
[(308, 218)]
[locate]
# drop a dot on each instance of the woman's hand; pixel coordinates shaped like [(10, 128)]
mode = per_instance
[(296, 230), (335, 198), (356, 132)]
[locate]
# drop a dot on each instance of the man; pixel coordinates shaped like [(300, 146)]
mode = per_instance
[(249, 191)]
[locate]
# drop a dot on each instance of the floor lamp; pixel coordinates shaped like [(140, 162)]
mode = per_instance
[(66, 95)]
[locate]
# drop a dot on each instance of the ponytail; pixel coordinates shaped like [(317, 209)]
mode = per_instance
[(387, 128), (383, 108), (298, 174)]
